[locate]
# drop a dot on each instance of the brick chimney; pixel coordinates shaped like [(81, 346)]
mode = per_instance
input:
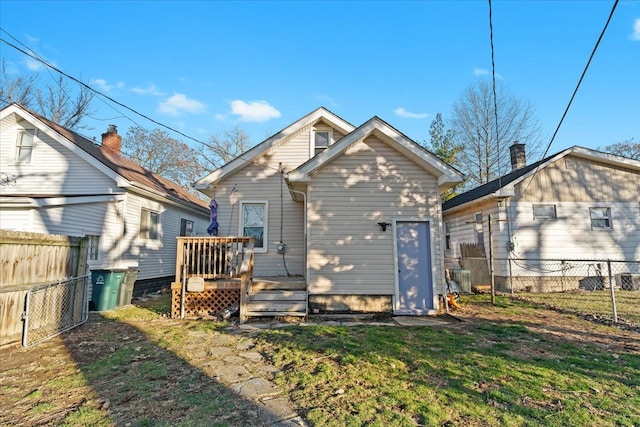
[(111, 141), (518, 156)]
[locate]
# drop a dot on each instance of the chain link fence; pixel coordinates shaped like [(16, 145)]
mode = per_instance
[(602, 290), (54, 308)]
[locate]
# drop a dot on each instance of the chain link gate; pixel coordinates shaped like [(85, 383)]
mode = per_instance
[(54, 308)]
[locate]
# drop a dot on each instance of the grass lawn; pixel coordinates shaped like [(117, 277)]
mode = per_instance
[(513, 364), (488, 374), (596, 303)]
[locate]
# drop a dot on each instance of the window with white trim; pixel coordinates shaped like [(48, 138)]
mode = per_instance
[(479, 229), (149, 225), (24, 145), (544, 211), (253, 223), (321, 141), (93, 246), (600, 218)]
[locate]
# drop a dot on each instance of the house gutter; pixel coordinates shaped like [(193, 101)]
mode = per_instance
[(503, 193), (306, 243)]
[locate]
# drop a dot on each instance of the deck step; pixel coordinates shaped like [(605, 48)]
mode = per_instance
[(266, 285), (276, 313), (279, 295), (276, 306)]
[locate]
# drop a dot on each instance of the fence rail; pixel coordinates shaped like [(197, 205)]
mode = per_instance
[(54, 308)]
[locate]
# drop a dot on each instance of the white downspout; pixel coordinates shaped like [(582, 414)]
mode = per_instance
[(306, 243)]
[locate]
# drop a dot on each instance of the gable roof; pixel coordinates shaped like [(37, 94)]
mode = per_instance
[(320, 114), (124, 171), (503, 186), (447, 175)]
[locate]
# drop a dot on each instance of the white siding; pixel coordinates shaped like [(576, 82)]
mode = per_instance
[(570, 234), (53, 170), (369, 183)]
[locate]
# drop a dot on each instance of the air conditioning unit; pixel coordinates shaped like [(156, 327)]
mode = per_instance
[(462, 279), (628, 281)]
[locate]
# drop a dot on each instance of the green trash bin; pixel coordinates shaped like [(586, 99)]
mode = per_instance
[(126, 288), (106, 287)]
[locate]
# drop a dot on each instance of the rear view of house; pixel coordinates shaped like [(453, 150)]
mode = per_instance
[(354, 212)]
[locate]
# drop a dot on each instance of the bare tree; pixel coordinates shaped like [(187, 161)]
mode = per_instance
[(18, 89), (57, 102), (224, 147), (159, 153), (485, 151), (626, 148)]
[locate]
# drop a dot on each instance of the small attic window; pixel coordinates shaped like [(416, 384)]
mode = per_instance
[(321, 141), (24, 145)]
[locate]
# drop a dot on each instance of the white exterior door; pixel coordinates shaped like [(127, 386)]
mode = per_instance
[(415, 276)]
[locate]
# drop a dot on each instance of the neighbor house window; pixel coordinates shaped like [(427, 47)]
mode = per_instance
[(93, 243), (544, 211), (149, 225), (24, 145), (254, 223), (321, 141), (447, 234), (600, 218), (479, 229), (186, 227)]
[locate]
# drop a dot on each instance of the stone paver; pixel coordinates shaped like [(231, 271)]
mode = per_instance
[(253, 356), (232, 374), (255, 388)]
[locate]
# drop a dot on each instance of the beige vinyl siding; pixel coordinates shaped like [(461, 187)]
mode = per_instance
[(369, 183), (58, 170), (584, 181)]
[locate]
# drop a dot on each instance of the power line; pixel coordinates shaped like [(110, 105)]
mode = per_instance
[(495, 97), (53, 67), (566, 110)]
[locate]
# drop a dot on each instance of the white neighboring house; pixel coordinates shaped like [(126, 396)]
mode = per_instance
[(573, 205), (55, 181), (354, 212)]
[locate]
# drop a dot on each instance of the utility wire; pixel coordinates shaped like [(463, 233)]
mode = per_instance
[(495, 97), (53, 67), (566, 110)]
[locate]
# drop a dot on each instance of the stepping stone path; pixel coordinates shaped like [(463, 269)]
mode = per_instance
[(230, 360)]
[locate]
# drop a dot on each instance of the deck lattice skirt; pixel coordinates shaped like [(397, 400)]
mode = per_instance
[(209, 302)]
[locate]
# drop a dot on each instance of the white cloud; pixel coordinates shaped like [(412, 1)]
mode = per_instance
[(409, 115), (151, 90), (101, 84), (636, 30), (33, 65), (254, 111), (178, 104), (480, 72), (220, 117)]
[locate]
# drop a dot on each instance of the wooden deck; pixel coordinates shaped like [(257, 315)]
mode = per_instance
[(216, 273)]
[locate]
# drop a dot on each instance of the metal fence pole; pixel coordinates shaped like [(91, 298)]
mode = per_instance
[(613, 294)]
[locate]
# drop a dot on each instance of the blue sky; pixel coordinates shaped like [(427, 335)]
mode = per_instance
[(203, 67)]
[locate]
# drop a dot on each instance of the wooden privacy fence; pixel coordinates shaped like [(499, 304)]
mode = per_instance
[(28, 260), (33, 258)]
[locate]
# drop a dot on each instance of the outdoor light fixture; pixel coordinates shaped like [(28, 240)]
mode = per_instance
[(383, 225)]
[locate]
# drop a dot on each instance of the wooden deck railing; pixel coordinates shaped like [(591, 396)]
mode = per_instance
[(211, 258)]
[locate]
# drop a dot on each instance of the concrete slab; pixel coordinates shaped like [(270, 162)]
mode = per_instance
[(426, 320), (232, 374), (253, 356)]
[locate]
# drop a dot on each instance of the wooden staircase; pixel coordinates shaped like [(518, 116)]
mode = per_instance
[(270, 297)]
